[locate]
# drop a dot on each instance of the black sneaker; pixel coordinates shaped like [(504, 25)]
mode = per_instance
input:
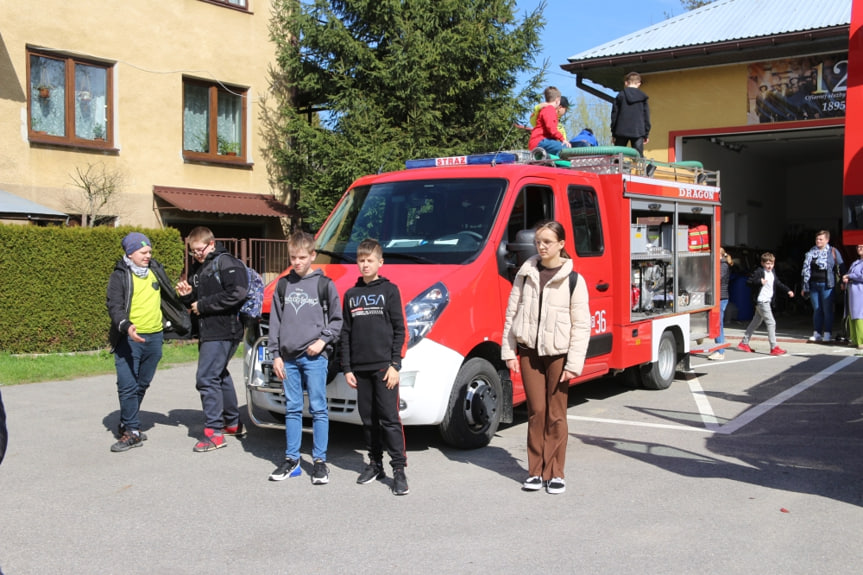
[(121, 431), (289, 468), (400, 482), (374, 470), (321, 473), (129, 440)]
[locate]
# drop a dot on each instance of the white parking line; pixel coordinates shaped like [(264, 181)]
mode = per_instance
[(639, 423), (705, 410), (704, 407), (752, 414)]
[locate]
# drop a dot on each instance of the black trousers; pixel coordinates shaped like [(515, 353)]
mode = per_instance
[(379, 412), (637, 143)]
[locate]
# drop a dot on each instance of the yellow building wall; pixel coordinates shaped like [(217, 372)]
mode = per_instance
[(695, 99), (154, 44)]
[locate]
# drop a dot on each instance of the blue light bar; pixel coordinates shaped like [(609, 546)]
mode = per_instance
[(472, 160)]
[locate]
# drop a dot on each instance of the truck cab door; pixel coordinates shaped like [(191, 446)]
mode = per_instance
[(593, 261)]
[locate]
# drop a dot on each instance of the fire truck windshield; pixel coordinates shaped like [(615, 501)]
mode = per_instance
[(433, 221)]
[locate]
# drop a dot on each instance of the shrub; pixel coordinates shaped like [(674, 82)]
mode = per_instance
[(54, 283)]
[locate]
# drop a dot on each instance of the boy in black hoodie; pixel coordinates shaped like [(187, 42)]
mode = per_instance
[(630, 115), (372, 346), (215, 291)]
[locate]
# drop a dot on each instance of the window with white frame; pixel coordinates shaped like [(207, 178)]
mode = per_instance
[(213, 121), (69, 100)]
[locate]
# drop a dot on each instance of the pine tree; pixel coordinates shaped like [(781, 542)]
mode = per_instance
[(367, 84)]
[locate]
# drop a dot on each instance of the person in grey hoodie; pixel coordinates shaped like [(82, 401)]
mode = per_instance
[(630, 115), (303, 330)]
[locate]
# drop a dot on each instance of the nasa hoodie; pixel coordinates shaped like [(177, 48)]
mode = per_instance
[(373, 331)]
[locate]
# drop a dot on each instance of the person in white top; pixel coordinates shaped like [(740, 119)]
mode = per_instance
[(764, 283)]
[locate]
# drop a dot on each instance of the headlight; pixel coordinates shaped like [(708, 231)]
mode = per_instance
[(423, 311)]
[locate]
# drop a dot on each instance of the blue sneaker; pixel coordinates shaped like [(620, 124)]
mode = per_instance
[(290, 468)]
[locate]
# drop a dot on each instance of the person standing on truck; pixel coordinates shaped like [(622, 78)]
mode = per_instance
[(821, 265), (725, 263), (215, 292), (138, 291), (372, 346), (545, 338), (630, 115), (545, 133), (303, 331), (765, 283)]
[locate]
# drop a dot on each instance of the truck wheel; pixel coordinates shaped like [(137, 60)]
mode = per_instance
[(660, 374), (475, 406)]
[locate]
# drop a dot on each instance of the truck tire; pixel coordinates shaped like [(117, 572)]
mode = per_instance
[(660, 374), (475, 406)]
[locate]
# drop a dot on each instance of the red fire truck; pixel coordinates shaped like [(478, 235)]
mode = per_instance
[(852, 221), (643, 235)]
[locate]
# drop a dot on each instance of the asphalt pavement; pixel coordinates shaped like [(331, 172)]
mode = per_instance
[(747, 465)]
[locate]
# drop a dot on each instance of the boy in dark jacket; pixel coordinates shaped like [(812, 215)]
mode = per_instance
[(764, 284), (302, 332), (139, 291), (373, 344), (630, 115), (215, 291)]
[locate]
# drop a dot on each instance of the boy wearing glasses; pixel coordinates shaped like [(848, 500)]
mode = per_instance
[(215, 291)]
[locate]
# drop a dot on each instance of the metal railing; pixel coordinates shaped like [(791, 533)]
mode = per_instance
[(268, 257)]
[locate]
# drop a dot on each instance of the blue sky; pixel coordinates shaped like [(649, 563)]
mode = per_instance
[(573, 26)]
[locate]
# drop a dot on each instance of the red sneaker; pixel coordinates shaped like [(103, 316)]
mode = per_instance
[(777, 351), (236, 430), (211, 441), (744, 347)]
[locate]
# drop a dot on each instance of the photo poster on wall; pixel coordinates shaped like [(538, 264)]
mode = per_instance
[(795, 89)]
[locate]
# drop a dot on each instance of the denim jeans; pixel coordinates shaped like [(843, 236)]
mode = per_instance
[(822, 307), (136, 365), (551, 146), (723, 303), (309, 373), (214, 383)]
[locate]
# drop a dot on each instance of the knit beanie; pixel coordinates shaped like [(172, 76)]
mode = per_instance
[(134, 241)]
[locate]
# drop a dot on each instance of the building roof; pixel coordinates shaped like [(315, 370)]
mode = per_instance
[(16, 207), (216, 202), (721, 32)]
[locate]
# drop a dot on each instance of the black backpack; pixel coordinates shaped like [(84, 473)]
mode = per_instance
[(573, 281)]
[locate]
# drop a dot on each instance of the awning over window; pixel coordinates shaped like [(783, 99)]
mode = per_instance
[(216, 202), (16, 207)]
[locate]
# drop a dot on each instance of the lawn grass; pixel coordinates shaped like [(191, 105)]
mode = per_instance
[(57, 367)]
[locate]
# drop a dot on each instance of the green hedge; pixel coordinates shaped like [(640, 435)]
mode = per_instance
[(53, 283)]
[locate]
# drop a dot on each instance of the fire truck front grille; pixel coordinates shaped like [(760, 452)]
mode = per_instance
[(337, 405)]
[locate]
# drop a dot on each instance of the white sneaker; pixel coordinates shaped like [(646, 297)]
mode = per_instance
[(532, 483), (716, 356), (827, 338), (815, 337), (556, 485)]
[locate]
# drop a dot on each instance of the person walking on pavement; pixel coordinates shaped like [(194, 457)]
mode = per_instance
[(764, 284)]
